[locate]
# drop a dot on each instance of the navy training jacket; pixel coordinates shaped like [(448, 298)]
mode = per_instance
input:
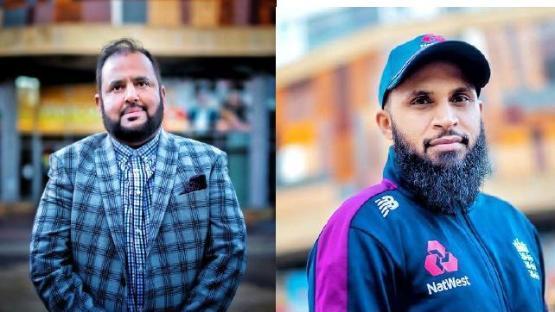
[(383, 251)]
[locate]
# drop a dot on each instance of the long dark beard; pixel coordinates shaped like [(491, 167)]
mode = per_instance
[(448, 186), (134, 135)]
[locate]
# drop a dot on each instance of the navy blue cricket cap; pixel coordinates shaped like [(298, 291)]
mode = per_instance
[(409, 56)]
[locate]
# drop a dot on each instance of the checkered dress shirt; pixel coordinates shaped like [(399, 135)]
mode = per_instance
[(136, 172)]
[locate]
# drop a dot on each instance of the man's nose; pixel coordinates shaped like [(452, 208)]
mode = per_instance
[(445, 116), (131, 95)]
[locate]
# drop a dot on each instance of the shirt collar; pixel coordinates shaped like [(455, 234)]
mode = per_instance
[(147, 152), (392, 173)]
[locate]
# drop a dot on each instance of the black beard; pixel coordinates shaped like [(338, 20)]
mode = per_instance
[(451, 185), (137, 135)]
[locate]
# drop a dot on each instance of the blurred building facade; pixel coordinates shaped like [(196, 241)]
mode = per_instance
[(328, 146), (207, 50)]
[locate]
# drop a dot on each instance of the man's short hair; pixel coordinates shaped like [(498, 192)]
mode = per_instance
[(123, 46)]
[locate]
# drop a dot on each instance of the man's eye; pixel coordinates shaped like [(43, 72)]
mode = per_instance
[(421, 100), (142, 84), (117, 88), (460, 98)]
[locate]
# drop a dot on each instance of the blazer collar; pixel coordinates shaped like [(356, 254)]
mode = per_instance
[(109, 182), (164, 178)]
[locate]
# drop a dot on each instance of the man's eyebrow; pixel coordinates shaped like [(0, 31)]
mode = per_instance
[(134, 79), (462, 89), (420, 93), (115, 82), (140, 78)]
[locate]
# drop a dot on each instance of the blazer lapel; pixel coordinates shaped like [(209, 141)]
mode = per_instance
[(108, 173), (164, 177)]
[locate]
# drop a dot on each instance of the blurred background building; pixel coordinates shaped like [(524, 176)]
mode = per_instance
[(217, 60), (328, 146)]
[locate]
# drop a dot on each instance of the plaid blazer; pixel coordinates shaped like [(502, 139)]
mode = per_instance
[(196, 250)]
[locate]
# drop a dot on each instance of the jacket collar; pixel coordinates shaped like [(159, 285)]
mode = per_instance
[(390, 171), (164, 178)]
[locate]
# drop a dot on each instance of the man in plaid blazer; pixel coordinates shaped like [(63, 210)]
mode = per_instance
[(136, 219)]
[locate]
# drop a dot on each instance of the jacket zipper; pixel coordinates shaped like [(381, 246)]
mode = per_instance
[(490, 260)]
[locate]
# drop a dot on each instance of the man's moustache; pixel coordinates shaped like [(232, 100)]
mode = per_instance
[(464, 138), (128, 108)]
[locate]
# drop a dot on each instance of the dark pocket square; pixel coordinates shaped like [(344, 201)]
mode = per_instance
[(195, 183)]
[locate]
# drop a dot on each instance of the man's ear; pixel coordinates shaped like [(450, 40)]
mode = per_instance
[(98, 102), (383, 119), (163, 95)]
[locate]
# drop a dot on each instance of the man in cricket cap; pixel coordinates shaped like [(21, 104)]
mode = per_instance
[(426, 238)]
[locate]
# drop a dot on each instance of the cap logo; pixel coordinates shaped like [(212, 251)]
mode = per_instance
[(429, 39)]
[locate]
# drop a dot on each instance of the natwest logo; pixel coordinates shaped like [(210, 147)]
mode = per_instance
[(448, 284), (439, 260)]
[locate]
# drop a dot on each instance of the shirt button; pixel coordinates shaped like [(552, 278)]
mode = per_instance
[(138, 192), (139, 231)]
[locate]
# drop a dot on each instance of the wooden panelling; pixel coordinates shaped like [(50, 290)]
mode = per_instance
[(164, 12), (67, 11), (205, 13), (95, 11)]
